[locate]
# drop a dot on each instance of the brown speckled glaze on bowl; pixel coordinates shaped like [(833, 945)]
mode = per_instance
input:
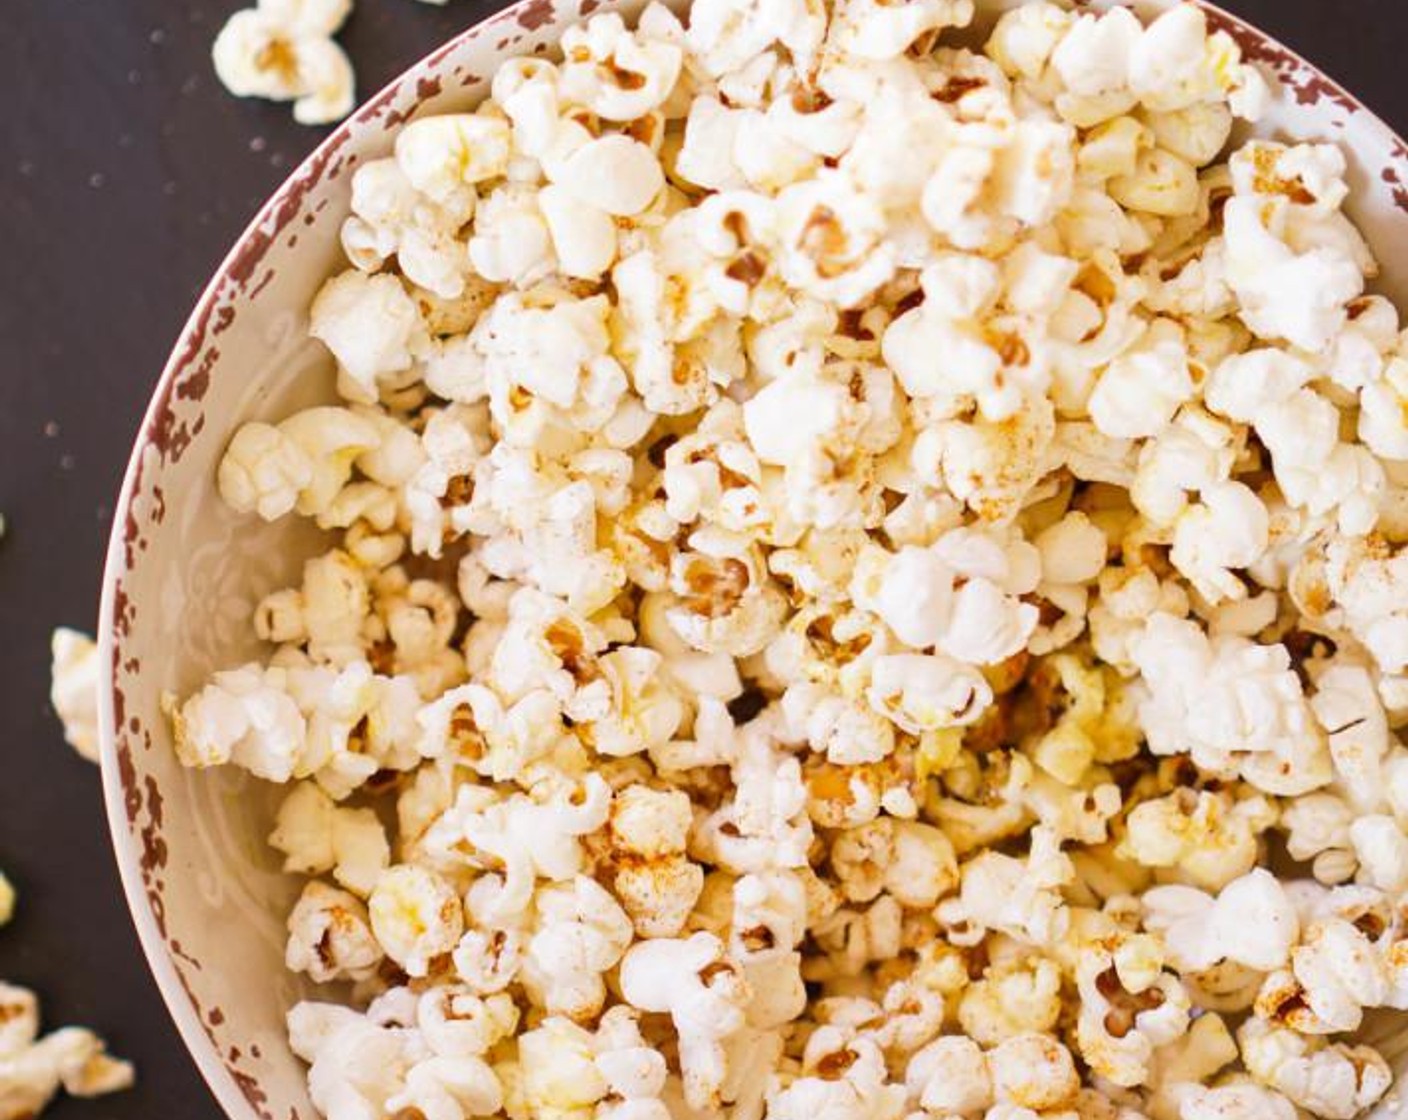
[(183, 572)]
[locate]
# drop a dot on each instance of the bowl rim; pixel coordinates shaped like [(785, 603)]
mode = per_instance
[(274, 215)]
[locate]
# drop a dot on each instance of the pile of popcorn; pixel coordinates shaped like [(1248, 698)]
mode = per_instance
[(851, 555)]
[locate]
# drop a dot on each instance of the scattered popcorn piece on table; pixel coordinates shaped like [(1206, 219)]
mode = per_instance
[(283, 50), (73, 689)]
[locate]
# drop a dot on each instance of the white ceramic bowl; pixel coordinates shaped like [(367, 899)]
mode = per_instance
[(183, 572)]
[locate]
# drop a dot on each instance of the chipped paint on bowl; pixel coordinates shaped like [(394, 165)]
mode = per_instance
[(183, 572)]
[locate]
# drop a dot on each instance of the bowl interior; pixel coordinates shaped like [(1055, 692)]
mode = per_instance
[(184, 572)]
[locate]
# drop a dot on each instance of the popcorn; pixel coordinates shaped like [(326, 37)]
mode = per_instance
[(416, 917), (525, 836), (582, 932), (927, 692), (925, 535), (726, 603), (73, 689), (583, 235), (614, 73), (831, 243), (1141, 390), (936, 597), (1225, 694), (1033, 1071), (440, 154), (371, 326), (1229, 529), (653, 877), (704, 996), (1337, 1081), (1271, 242), (1235, 1102), (950, 1076), (285, 52), (317, 836), (330, 936), (1019, 898), (615, 174), (264, 470), (1200, 931), (1207, 837), (33, 1069), (1012, 998), (874, 31)]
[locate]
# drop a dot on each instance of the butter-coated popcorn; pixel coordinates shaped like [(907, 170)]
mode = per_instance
[(853, 556)]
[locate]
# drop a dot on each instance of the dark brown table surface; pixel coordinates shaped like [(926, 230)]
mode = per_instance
[(125, 173)]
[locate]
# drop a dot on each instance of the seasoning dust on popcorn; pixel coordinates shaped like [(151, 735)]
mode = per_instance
[(851, 553)]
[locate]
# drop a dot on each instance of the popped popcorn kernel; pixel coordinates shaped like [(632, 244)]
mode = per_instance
[(285, 52), (73, 689)]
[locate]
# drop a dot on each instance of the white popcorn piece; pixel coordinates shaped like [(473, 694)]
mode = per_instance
[(927, 692), (34, 1068), (1212, 698), (416, 917), (1234, 1102), (615, 73), (1208, 837), (390, 217), (653, 877), (1272, 244), (926, 531), (875, 31), (1201, 931), (960, 595), (372, 327), (582, 932), (1018, 897), (317, 836), (1228, 529), (263, 470), (1337, 1082), (1141, 390), (831, 241), (440, 155), (1033, 1071), (704, 995), (284, 51), (614, 174), (330, 936), (950, 1076), (73, 689)]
